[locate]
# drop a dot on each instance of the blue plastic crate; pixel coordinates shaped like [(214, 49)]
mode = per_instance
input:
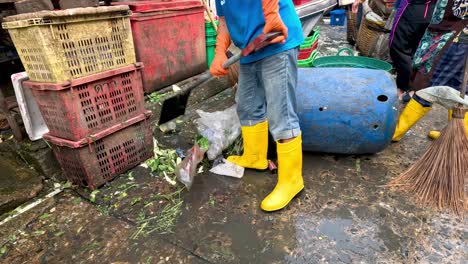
[(337, 17)]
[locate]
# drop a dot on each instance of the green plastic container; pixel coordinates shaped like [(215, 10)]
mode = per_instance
[(309, 41), (351, 61), (210, 35), (210, 38), (209, 30), (307, 63), (210, 52)]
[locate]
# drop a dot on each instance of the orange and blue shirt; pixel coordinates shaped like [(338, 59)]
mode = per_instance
[(245, 21)]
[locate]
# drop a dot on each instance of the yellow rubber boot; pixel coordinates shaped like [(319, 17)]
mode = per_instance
[(410, 115), (434, 134), (255, 140), (290, 181)]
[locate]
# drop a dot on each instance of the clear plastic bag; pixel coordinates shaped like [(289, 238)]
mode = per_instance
[(445, 96), (187, 169), (220, 128)]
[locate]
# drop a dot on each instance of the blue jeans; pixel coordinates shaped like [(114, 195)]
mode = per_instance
[(267, 90)]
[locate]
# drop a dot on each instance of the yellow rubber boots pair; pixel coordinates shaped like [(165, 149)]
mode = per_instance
[(412, 113), (290, 181)]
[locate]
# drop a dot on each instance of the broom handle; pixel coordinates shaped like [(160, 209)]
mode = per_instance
[(465, 79), (210, 15)]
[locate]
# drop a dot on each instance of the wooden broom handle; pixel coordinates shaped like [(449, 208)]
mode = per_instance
[(210, 15), (465, 79)]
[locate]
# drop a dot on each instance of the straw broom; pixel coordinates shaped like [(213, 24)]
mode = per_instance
[(437, 179)]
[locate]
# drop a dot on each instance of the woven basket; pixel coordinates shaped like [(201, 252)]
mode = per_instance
[(367, 37), (380, 8), (351, 27)]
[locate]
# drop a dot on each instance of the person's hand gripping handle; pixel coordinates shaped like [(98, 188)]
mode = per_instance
[(273, 21), (223, 41)]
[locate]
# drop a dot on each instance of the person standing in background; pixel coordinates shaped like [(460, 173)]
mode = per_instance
[(438, 61), (411, 21)]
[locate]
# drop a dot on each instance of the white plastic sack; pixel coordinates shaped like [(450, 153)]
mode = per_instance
[(229, 169), (445, 96), (220, 128)]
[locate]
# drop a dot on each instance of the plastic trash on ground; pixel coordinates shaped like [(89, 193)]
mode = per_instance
[(187, 169), (445, 96), (227, 168), (220, 128)]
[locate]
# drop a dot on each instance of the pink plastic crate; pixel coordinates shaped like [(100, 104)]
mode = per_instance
[(84, 106), (168, 37), (95, 160)]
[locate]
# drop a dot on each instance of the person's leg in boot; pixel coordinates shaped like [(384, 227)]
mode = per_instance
[(279, 78), (416, 109), (251, 109), (408, 31)]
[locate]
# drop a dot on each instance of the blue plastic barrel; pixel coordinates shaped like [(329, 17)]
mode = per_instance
[(346, 110)]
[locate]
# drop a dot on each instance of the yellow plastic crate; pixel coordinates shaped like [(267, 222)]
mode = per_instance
[(57, 46)]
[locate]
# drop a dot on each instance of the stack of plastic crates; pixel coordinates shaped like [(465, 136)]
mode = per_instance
[(308, 50), (87, 84)]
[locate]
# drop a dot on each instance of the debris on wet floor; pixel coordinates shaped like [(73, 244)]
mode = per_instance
[(346, 214)]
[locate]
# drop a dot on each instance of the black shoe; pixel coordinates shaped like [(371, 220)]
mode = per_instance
[(406, 98)]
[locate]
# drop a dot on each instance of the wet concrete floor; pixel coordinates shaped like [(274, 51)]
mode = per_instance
[(346, 214)]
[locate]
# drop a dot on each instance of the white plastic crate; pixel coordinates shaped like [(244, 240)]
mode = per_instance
[(32, 117)]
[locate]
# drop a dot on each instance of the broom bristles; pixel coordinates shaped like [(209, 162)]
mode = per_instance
[(437, 179)]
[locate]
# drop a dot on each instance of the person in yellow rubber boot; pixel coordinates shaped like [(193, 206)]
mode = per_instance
[(438, 61), (416, 109), (266, 88)]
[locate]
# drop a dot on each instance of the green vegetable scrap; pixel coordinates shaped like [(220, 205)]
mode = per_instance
[(212, 201), (91, 246), (67, 185), (39, 232), (203, 143), (358, 167), (44, 216), (135, 200), (157, 97), (3, 250), (60, 233), (76, 200), (92, 197), (162, 222), (12, 238), (164, 161)]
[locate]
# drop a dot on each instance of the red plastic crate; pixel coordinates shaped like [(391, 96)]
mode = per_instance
[(169, 39), (110, 153), (305, 53), (315, 45), (84, 106), (301, 2)]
